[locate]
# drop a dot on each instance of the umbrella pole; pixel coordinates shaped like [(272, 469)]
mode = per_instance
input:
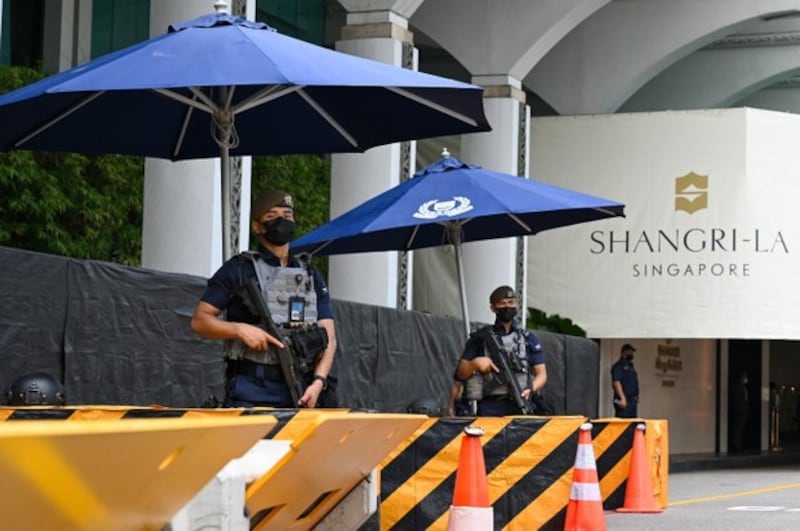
[(225, 172), (455, 238)]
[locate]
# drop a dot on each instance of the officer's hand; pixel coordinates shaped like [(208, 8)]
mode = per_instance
[(310, 397), (256, 338), (485, 364), (526, 393), (622, 403)]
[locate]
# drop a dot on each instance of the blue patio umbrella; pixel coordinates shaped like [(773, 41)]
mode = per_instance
[(220, 85), (451, 202)]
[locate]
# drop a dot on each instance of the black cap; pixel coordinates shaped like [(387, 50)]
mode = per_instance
[(268, 200), (627, 347), (503, 292)]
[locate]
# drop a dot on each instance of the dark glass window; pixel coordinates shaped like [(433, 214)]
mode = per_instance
[(22, 40), (119, 23), (303, 19)]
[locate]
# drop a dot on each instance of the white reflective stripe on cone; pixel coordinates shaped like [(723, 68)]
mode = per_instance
[(470, 519), (585, 457), (585, 492)]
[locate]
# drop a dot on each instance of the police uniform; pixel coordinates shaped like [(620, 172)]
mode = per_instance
[(624, 373), (517, 342), (256, 379)]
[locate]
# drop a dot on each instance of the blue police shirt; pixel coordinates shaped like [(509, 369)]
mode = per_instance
[(624, 373)]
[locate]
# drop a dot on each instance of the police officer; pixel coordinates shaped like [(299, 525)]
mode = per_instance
[(625, 382), (476, 366), (296, 296)]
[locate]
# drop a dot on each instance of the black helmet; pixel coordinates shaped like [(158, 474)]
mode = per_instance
[(36, 389), (425, 406)]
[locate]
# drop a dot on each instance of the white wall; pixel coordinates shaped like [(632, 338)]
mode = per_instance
[(685, 397), (737, 263)]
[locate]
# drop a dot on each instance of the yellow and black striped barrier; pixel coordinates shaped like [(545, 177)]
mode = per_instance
[(283, 429), (107, 474), (612, 440), (529, 462), (331, 450)]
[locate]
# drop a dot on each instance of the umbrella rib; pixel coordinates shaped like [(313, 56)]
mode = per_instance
[(413, 235), (184, 127), (188, 101), (432, 105), (60, 117), (231, 91), (265, 96), (321, 247), (520, 222), (205, 99), (328, 118)]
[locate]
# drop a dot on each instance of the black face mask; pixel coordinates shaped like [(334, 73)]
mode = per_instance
[(278, 231), (629, 357), (506, 314)]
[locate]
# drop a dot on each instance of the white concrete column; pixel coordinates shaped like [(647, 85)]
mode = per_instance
[(372, 278), (182, 229), (67, 34), (492, 263)]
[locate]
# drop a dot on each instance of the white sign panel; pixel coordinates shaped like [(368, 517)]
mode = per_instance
[(710, 246)]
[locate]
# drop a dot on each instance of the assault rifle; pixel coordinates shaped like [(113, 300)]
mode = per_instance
[(507, 373), (293, 367)]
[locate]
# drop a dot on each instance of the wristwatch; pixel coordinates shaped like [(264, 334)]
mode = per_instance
[(321, 379)]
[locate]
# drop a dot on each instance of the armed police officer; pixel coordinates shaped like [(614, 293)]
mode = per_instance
[(625, 384), (481, 369), (272, 301)]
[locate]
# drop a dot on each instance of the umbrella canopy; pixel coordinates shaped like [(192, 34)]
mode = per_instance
[(453, 198), (266, 93), (219, 85), (451, 202)]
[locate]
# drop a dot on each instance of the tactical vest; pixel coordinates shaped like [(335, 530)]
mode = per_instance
[(484, 385), (291, 299)]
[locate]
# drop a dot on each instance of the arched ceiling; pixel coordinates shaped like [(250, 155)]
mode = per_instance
[(601, 56)]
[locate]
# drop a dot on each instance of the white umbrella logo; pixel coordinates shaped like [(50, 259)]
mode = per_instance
[(435, 209)]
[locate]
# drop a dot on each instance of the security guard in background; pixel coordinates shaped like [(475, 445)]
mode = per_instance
[(297, 299), (625, 382), (476, 364)]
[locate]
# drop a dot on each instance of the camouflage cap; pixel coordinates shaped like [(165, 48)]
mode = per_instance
[(268, 200), (503, 292)]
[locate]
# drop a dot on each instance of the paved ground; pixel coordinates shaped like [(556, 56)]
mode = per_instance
[(763, 498)]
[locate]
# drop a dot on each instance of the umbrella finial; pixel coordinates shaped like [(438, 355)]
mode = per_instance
[(445, 153), (221, 6)]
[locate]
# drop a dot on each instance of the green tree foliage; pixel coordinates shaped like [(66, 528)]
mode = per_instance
[(539, 320), (69, 204)]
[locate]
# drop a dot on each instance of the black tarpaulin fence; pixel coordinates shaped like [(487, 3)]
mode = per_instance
[(120, 335)]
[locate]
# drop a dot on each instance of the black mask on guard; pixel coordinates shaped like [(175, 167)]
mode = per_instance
[(278, 231), (506, 314)]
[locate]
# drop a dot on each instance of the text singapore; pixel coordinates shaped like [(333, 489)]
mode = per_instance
[(696, 242)]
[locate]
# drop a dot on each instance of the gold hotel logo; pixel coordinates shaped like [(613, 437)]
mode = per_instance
[(691, 193)]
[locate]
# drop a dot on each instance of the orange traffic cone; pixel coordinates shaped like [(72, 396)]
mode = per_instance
[(639, 495), (585, 509), (471, 510)]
